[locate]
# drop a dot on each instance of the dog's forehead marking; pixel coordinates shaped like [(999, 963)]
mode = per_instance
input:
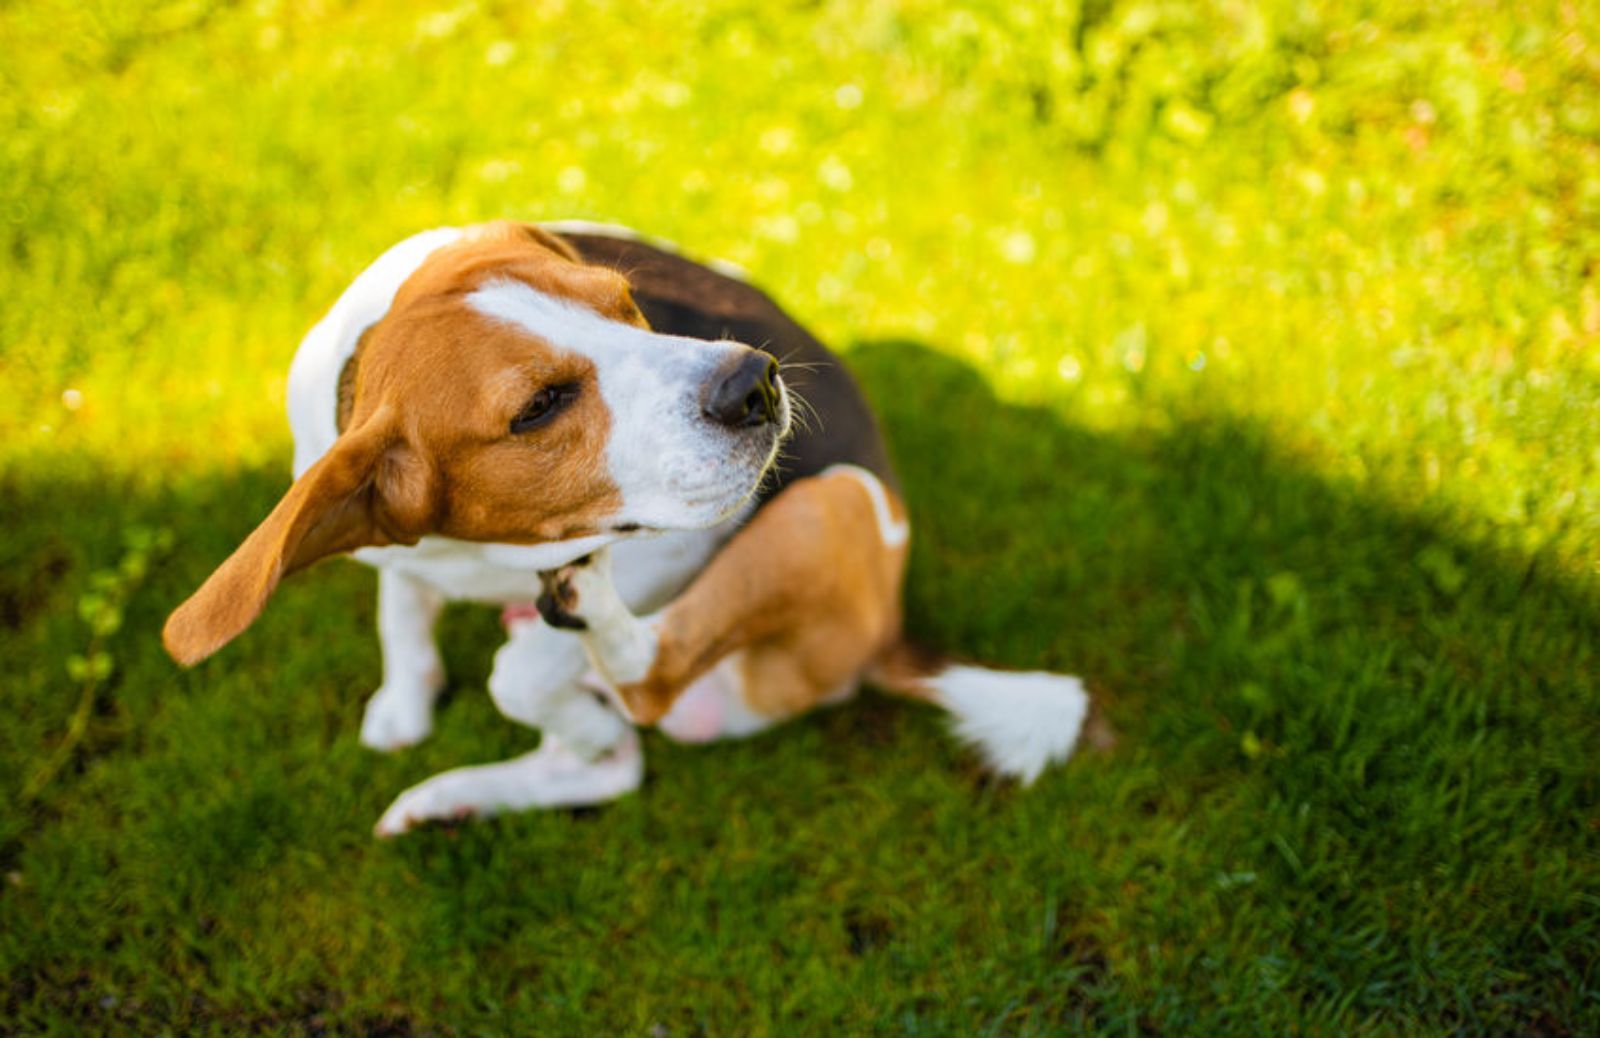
[(567, 324)]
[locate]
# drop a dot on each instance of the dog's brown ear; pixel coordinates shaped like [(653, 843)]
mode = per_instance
[(336, 506)]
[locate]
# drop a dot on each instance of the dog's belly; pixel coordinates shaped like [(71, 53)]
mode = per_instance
[(649, 571)]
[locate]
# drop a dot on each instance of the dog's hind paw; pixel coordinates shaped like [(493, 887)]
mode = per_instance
[(551, 776)]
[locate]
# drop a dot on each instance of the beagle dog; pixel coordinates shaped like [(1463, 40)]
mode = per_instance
[(566, 421)]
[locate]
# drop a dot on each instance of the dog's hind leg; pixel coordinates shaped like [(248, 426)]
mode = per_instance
[(400, 713)]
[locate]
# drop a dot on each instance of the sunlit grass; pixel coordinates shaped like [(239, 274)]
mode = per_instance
[(1368, 232)]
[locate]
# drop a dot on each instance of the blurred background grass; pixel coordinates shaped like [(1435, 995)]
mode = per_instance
[(1240, 355), (1374, 228)]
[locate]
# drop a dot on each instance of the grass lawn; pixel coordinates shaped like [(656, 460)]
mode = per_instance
[(1242, 357)]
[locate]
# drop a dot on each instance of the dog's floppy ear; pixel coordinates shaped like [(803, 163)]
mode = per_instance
[(367, 490)]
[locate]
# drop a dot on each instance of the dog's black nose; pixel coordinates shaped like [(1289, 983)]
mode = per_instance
[(747, 395)]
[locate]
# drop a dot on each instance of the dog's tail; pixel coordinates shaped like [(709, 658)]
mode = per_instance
[(1020, 722)]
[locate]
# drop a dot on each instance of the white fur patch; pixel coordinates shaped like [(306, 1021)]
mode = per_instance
[(894, 532), (1020, 722), (536, 682)]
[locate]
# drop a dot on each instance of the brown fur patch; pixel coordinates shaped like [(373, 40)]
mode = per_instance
[(347, 383), (808, 589)]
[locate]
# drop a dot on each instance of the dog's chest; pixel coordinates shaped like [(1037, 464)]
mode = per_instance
[(649, 571)]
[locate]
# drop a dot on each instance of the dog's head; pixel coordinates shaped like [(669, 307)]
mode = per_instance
[(512, 394)]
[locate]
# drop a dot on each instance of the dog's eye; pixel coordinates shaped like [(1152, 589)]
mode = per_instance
[(545, 405)]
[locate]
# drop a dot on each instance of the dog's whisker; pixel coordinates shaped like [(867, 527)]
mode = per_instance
[(802, 408)]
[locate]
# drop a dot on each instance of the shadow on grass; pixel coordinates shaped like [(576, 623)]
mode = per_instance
[(1355, 779)]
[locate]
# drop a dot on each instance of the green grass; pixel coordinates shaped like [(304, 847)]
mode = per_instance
[(1242, 357)]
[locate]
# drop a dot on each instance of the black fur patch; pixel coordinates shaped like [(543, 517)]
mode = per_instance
[(555, 614)]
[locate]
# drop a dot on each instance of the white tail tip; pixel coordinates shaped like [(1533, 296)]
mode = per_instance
[(1020, 722)]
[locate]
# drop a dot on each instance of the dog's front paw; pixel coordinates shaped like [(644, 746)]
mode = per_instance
[(572, 590), (396, 718)]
